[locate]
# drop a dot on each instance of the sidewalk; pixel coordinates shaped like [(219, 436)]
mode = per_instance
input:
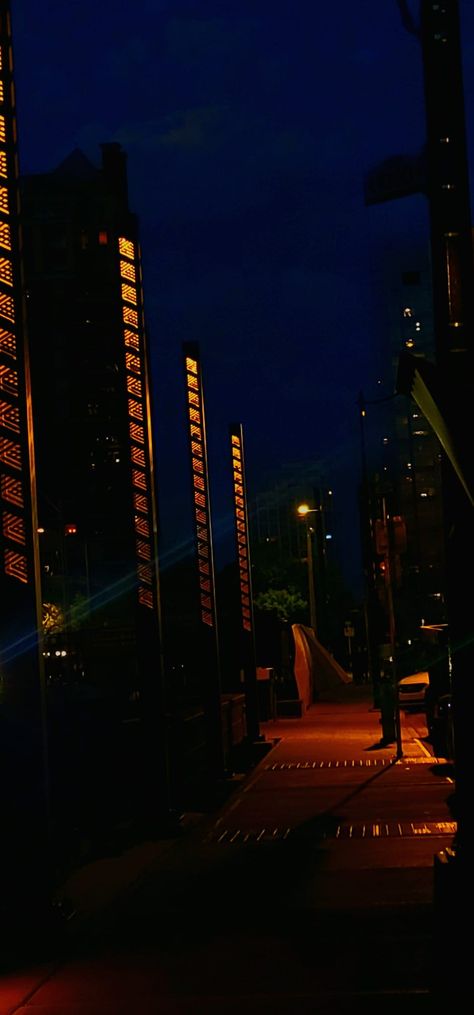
[(311, 888)]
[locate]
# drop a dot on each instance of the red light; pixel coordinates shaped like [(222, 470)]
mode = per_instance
[(70, 530)]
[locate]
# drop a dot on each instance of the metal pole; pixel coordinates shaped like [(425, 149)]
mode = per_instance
[(312, 593), (387, 520)]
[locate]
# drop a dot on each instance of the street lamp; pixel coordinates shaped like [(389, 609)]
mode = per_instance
[(304, 510)]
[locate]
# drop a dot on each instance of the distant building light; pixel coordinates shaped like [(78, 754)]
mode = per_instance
[(385, 440), (40, 529), (417, 326), (103, 238), (70, 530), (409, 343), (407, 312), (328, 535)]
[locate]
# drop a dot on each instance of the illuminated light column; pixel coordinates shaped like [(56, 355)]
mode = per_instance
[(22, 702), (209, 660), (141, 459), (245, 579)]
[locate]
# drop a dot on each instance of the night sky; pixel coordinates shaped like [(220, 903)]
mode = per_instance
[(249, 127)]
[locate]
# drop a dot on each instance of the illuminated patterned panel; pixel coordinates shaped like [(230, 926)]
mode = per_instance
[(135, 409), (6, 271), (7, 343), (136, 386), (5, 235), (8, 380), (7, 307), (241, 529), (129, 293), (131, 339), (12, 491), (127, 270), (4, 205), (9, 417), (12, 416), (13, 527), (127, 249), (198, 454), (16, 566)]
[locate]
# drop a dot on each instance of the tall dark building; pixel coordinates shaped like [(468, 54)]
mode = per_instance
[(94, 455)]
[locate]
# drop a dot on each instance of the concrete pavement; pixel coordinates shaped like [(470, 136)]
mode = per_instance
[(309, 889)]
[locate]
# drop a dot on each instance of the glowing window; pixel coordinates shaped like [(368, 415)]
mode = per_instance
[(194, 415), (191, 365), (198, 482), (4, 207), (198, 465), (5, 237), (3, 165), (201, 516), (193, 398), (2, 129), (193, 382), (199, 499), (6, 271), (1, 92), (16, 566), (103, 238)]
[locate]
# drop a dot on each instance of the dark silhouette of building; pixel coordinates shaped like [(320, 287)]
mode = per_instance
[(96, 488)]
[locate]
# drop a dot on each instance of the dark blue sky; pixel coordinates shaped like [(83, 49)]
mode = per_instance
[(249, 127)]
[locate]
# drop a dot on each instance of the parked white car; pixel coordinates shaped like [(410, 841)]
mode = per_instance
[(412, 690)]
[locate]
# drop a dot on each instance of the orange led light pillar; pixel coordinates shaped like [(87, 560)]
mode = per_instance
[(245, 579), (143, 499), (22, 702), (209, 659)]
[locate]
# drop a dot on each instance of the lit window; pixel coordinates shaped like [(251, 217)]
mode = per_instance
[(409, 343), (3, 164), (407, 312)]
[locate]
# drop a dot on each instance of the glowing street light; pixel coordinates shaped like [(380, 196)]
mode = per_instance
[(304, 510)]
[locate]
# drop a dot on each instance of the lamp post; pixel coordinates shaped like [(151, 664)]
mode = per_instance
[(304, 510)]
